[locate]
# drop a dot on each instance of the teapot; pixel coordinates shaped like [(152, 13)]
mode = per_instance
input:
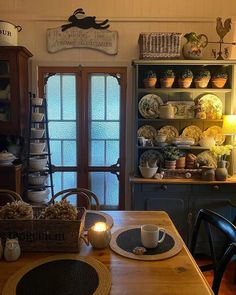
[(193, 48)]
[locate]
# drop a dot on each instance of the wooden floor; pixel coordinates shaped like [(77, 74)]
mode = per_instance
[(227, 287)]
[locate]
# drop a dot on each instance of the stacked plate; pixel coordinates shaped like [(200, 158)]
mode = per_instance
[(6, 158)]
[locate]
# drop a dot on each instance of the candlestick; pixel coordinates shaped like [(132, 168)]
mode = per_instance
[(99, 235)]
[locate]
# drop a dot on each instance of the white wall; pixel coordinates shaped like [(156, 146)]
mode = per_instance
[(128, 17)]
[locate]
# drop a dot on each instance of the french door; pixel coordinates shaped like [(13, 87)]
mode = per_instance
[(86, 113)]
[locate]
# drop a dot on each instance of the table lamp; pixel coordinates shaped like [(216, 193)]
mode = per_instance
[(229, 126)]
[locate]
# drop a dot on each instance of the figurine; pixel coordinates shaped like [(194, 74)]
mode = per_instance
[(12, 250)]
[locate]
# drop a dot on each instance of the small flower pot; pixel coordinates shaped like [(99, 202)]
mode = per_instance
[(167, 82), (201, 83), (150, 82), (218, 82), (170, 164), (185, 83)]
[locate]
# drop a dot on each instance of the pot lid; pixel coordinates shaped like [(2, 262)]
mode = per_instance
[(5, 155)]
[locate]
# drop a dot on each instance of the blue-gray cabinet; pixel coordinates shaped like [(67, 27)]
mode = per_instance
[(182, 201)]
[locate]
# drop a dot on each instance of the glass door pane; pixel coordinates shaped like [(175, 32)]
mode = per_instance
[(5, 91)]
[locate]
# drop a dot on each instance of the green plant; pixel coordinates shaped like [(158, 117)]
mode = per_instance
[(203, 73), (220, 73), (171, 153), (168, 74), (186, 73), (150, 74)]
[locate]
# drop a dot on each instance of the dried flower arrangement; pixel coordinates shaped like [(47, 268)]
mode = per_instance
[(16, 210), (62, 210)]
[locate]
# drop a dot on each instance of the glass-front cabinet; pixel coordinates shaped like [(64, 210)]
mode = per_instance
[(14, 97)]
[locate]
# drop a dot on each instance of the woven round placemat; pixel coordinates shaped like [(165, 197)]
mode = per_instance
[(92, 217), (124, 240), (61, 275)]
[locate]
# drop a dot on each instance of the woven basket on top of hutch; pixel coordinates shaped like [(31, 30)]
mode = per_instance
[(180, 197)]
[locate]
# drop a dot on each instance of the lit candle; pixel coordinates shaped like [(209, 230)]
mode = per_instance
[(99, 235)]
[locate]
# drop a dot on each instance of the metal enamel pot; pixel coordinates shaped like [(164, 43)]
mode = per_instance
[(9, 33)]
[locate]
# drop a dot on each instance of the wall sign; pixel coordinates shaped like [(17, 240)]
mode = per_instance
[(83, 32)]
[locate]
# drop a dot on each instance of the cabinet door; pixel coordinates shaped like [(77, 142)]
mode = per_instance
[(175, 207), (172, 199), (218, 204), (13, 89)]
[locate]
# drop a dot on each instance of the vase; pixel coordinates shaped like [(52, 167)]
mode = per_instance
[(222, 170), (208, 173)]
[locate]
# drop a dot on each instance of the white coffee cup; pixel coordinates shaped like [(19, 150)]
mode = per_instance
[(150, 234)]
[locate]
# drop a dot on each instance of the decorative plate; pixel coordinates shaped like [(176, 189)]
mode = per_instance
[(149, 106), (194, 132), (149, 157), (147, 131), (207, 157), (170, 131), (216, 133), (212, 106)]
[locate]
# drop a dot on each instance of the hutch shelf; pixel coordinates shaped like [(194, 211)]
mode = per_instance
[(182, 198)]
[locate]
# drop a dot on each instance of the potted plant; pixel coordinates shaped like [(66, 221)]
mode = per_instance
[(167, 78), (170, 154), (219, 78), (185, 78), (150, 79), (202, 78)]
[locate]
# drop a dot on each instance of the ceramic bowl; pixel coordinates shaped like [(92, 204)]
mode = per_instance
[(207, 142), (37, 132), (160, 138), (37, 147), (37, 179), (37, 163), (37, 117), (38, 196), (37, 101), (148, 172)]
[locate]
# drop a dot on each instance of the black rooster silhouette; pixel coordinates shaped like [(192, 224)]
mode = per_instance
[(221, 29), (86, 22)]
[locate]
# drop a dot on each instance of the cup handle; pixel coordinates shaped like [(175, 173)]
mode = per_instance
[(163, 236)]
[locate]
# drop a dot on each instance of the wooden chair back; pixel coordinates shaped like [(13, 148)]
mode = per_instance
[(212, 221), (8, 196), (85, 197)]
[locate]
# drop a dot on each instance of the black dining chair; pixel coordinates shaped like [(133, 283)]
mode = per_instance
[(84, 197), (8, 196), (212, 221)]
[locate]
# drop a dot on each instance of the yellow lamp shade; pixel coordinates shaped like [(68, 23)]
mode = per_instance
[(229, 125)]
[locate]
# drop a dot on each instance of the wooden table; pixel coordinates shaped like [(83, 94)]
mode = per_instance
[(176, 275)]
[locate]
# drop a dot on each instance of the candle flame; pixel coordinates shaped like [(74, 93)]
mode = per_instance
[(100, 226)]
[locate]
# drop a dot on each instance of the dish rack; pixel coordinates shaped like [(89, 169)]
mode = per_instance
[(39, 167)]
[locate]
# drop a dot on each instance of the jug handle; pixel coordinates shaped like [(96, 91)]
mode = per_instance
[(205, 42), (227, 164)]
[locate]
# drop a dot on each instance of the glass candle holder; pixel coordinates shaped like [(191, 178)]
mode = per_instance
[(99, 235)]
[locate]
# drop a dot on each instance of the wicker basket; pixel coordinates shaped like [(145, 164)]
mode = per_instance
[(41, 235), (159, 45)]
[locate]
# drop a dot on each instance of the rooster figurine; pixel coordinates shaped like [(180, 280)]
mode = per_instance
[(221, 29)]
